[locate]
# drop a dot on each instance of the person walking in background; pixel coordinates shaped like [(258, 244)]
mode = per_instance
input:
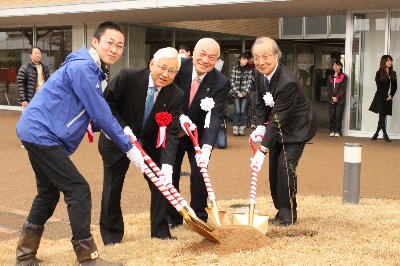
[(336, 89), (51, 129), (31, 76), (386, 86), (292, 122), (127, 94), (184, 51), (205, 92), (241, 79)]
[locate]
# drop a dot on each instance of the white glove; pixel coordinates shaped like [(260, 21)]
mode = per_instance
[(136, 157), (128, 131), (167, 170), (205, 155), (185, 119), (258, 134), (257, 160)]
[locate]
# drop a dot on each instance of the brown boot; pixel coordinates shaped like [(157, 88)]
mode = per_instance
[(87, 254), (28, 244)]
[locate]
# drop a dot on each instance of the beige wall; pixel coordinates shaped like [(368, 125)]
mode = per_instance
[(24, 3), (246, 27)]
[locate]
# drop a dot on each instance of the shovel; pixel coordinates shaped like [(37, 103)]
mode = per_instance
[(174, 197), (218, 217), (257, 220)]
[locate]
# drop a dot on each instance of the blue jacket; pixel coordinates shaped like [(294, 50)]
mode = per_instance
[(60, 111)]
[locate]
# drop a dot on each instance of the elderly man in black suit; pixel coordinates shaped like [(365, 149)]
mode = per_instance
[(292, 122), (201, 83), (131, 95)]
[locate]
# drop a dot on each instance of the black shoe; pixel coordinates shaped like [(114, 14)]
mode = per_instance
[(387, 139), (172, 226), (375, 136), (287, 222)]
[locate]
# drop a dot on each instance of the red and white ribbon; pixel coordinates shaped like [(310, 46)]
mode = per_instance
[(90, 133), (162, 136)]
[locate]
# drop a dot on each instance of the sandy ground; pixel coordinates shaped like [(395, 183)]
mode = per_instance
[(320, 173)]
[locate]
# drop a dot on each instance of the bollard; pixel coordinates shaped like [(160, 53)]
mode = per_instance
[(352, 170)]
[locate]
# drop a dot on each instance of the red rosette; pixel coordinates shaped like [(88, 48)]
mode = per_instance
[(163, 119)]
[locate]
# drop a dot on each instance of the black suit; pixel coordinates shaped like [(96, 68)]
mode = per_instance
[(293, 116), (214, 85), (126, 95)]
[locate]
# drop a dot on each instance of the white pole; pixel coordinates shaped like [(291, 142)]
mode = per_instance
[(352, 170)]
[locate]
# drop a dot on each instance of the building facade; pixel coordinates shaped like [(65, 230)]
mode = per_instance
[(311, 37)]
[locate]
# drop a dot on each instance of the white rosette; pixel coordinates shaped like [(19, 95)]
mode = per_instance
[(207, 104), (268, 99), (162, 135)]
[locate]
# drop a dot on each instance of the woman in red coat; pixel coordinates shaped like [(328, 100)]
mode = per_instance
[(386, 86), (336, 89)]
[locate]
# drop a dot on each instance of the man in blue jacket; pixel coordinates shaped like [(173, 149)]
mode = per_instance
[(51, 128)]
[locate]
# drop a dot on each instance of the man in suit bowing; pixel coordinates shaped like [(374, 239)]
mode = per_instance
[(203, 87), (292, 122), (135, 97)]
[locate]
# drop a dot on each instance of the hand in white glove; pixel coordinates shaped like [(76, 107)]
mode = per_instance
[(185, 119), (167, 170), (258, 134), (136, 157), (257, 160), (205, 155), (128, 131)]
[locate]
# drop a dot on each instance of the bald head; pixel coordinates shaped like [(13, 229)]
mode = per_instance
[(205, 55)]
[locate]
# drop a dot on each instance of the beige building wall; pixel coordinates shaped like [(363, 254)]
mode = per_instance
[(246, 27), (26, 3)]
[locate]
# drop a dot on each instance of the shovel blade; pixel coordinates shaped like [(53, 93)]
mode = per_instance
[(260, 221), (197, 228), (222, 216)]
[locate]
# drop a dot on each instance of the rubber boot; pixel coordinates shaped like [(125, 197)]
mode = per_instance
[(28, 244), (87, 254)]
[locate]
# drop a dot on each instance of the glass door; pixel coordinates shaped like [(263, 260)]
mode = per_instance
[(393, 122)]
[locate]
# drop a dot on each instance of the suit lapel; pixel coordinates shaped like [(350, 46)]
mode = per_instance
[(143, 86), (274, 80), (186, 83)]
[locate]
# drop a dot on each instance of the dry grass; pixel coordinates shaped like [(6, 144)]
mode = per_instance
[(328, 233)]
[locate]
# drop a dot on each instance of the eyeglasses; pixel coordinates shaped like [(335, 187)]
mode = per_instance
[(264, 57), (111, 44), (171, 71)]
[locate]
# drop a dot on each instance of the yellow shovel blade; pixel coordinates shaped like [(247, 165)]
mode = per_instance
[(260, 221), (222, 216), (200, 230)]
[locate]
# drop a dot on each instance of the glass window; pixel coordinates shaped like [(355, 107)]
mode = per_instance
[(317, 25), (292, 26), (393, 122), (338, 24), (56, 45), (13, 44), (368, 47)]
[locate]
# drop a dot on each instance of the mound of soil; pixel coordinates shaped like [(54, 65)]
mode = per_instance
[(232, 238)]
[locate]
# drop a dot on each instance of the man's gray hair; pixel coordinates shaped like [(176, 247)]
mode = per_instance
[(275, 47), (167, 52)]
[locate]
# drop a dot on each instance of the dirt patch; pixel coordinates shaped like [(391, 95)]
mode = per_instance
[(232, 238), (292, 232)]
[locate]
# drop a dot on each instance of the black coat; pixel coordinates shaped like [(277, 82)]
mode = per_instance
[(214, 85), (27, 79), (339, 90), (379, 104), (292, 112), (126, 95)]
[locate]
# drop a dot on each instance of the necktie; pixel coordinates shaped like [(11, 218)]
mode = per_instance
[(149, 104), (193, 88), (266, 84)]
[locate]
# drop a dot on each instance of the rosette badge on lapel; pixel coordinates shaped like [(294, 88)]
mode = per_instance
[(268, 99), (207, 104), (163, 119)]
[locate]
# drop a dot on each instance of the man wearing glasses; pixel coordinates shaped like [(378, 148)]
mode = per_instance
[(51, 128), (199, 80), (292, 122), (135, 97)]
